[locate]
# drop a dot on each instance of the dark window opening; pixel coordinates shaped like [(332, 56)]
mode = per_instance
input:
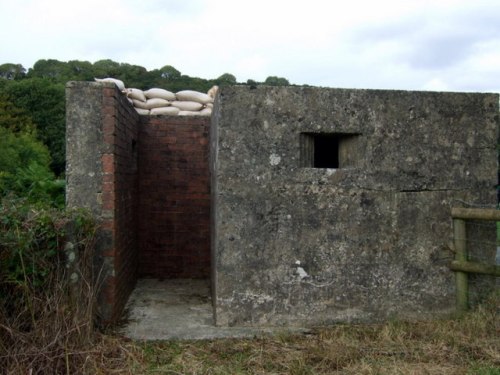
[(329, 150), (326, 152)]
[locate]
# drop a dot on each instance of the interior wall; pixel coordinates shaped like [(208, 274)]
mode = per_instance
[(174, 197)]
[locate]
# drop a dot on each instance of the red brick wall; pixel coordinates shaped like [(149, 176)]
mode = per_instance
[(146, 179), (174, 198), (120, 130)]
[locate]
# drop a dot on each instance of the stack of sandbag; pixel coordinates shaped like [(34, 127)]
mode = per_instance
[(158, 101)]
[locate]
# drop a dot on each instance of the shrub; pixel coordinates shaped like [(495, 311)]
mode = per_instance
[(46, 301), (25, 170)]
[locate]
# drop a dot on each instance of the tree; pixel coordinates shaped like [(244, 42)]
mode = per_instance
[(24, 169), (134, 75), (18, 150), (51, 68), (14, 118), (106, 68), (226, 79), (80, 71), (24, 160), (169, 72), (44, 101), (276, 81), (12, 71)]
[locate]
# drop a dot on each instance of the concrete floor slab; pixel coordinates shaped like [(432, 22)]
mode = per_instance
[(179, 309)]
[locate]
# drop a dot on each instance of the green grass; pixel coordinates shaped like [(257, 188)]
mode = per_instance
[(466, 345)]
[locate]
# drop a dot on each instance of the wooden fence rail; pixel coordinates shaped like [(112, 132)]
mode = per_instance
[(461, 265)]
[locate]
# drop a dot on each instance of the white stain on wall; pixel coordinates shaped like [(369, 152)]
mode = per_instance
[(274, 159)]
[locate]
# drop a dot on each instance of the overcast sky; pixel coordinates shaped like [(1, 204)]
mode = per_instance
[(450, 45)]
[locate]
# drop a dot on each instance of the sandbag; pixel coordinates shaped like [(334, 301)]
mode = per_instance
[(209, 105), (140, 104), (135, 94), (171, 111), (213, 91), (156, 103), (193, 96), (190, 113), (159, 93), (187, 105), (142, 111), (206, 112), (117, 82)]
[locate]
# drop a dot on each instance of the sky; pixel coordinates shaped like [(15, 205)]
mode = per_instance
[(438, 45)]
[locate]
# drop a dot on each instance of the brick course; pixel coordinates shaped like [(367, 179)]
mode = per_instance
[(174, 196), (120, 129)]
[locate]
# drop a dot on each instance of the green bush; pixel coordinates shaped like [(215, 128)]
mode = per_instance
[(47, 291), (32, 248), (44, 101), (25, 170)]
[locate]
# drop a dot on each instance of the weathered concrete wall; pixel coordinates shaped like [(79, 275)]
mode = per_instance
[(373, 235)]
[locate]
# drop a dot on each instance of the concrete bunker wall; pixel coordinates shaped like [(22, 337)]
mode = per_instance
[(302, 238), (326, 204), (146, 179)]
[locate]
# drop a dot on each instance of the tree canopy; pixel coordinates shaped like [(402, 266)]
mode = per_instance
[(43, 100), (12, 71), (276, 81), (226, 79), (34, 99), (24, 160)]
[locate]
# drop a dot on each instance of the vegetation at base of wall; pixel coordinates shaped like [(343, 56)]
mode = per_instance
[(62, 341), (46, 288), (467, 345)]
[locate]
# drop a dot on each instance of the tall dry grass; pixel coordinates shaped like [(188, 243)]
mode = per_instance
[(47, 303)]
